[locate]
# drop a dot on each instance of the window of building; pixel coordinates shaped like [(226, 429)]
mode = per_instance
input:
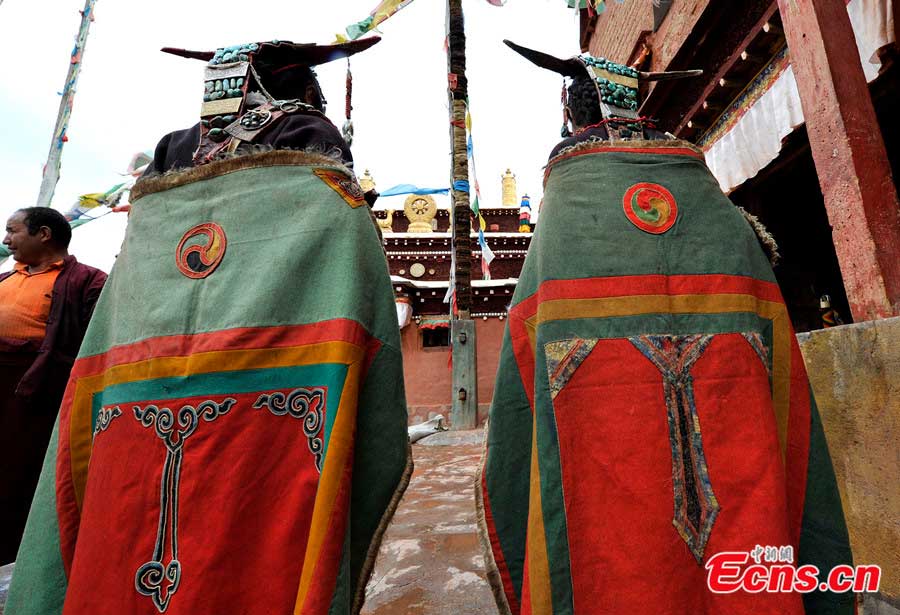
[(436, 338)]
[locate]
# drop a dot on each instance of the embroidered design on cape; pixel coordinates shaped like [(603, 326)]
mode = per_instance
[(650, 207), (563, 358), (345, 186), (307, 405), (160, 577), (696, 507), (105, 417), (755, 341), (201, 250)]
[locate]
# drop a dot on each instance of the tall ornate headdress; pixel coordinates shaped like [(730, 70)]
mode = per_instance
[(232, 75), (618, 86)]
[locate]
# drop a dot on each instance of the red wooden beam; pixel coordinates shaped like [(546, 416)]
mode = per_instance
[(726, 66), (848, 149), (719, 33), (587, 23)]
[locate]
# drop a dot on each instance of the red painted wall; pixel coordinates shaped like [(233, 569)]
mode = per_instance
[(488, 339), (426, 371), (426, 374)]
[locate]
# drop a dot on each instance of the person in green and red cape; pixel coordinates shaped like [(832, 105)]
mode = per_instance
[(233, 435), (652, 413)]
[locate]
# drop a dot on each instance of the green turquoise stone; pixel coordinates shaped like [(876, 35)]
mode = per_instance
[(217, 134)]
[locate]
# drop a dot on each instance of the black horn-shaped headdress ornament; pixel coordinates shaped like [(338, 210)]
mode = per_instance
[(228, 116), (617, 85)]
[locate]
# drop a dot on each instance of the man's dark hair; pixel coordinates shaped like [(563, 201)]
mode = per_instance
[(60, 231), (289, 82), (584, 103)]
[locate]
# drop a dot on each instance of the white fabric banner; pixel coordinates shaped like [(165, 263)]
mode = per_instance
[(756, 138), (404, 313)]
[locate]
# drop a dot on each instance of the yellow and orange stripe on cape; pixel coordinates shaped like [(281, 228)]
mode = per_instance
[(336, 341)]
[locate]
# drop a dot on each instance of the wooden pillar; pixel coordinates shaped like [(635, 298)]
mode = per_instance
[(54, 158), (849, 153), (464, 412)]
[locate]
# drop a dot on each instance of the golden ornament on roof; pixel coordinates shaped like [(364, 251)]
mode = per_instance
[(367, 182), (387, 222), (509, 188), (420, 210)]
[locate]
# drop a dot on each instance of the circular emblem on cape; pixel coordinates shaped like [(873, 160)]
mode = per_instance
[(201, 250), (650, 207)]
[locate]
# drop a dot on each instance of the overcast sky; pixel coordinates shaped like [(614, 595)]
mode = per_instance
[(130, 94)]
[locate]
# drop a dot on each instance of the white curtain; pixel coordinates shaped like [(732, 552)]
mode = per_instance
[(755, 140), (404, 313)]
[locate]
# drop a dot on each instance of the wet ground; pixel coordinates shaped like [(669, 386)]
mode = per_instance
[(5, 576), (430, 560)]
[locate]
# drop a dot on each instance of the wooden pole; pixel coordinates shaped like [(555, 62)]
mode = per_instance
[(51, 168), (464, 413)]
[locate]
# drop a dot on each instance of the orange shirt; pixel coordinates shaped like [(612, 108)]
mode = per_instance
[(25, 302)]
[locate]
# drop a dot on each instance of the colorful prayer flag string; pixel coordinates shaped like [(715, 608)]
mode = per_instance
[(593, 6), (115, 199), (381, 13), (487, 255)]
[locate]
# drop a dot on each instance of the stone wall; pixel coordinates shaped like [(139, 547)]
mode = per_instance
[(620, 27), (855, 374)]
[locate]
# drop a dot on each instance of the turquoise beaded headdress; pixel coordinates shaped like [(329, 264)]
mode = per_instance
[(617, 85)]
